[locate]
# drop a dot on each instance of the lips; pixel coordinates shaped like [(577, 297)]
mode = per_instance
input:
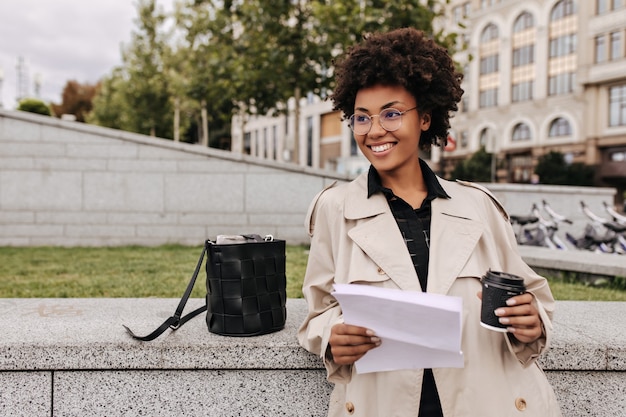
[(382, 148)]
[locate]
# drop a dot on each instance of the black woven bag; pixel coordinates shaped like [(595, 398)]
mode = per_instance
[(246, 289)]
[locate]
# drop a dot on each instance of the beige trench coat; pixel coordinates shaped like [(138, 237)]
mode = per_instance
[(356, 240)]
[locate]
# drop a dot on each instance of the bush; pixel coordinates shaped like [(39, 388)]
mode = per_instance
[(477, 168), (552, 169), (33, 105)]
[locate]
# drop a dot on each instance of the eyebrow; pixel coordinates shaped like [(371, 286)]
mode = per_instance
[(385, 106)]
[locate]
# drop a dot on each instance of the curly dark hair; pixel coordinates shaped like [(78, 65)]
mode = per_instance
[(408, 58)]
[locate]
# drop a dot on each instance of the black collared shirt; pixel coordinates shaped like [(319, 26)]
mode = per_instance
[(414, 224)]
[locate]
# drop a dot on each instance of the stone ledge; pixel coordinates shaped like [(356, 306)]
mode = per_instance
[(577, 261), (78, 350), (79, 334)]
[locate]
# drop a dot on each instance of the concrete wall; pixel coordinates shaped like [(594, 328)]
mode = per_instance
[(71, 184), (72, 358)]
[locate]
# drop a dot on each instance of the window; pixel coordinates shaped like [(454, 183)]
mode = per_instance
[(523, 22), (522, 91), (617, 106), (616, 45), (561, 83), (466, 9), (486, 3), (524, 55), (521, 132), (602, 6), (309, 141), (563, 45), (600, 49), (560, 127), (247, 139), (489, 64), (464, 104), (490, 33), (488, 98), (563, 9), (483, 140), (464, 136), (457, 14), (618, 156), (618, 4), (275, 142)]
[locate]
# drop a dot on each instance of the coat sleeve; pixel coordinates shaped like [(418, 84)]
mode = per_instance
[(323, 220), (537, 285)]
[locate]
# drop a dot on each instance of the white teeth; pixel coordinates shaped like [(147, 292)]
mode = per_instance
[(382, 148)]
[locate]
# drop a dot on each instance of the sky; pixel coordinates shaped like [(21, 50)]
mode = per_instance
[(62, 40)]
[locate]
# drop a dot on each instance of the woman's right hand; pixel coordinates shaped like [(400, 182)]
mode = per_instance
[(349, 343)]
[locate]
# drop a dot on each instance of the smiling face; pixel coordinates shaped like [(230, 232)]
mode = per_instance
[(391, 153)]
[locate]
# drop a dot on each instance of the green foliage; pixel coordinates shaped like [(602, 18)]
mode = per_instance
[(33, 105), (553, 169), (477, 168), (232, 57)]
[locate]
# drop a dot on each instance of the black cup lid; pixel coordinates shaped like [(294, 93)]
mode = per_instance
[(504, 278)]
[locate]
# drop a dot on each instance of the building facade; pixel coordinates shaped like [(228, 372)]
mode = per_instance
[(544, 75), (539, 76)]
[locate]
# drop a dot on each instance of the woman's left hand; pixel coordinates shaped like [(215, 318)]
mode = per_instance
[(521, 318)]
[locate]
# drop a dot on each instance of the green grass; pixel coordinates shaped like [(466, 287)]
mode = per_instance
[(164, 271)]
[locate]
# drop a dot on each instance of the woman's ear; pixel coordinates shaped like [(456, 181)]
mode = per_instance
[(425, 122)]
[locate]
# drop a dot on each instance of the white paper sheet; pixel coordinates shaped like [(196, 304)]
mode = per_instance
[(418, 330)]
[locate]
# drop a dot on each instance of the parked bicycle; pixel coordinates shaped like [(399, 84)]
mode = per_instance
[(536, 230), (619, 218), (600, 235)]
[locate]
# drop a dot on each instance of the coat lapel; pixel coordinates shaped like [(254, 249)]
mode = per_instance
[(377, 234), (453, 238)]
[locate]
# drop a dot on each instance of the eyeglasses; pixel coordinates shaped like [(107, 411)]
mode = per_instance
[(390, 120)]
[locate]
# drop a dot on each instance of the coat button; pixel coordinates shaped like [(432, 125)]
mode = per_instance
[(520, 404), (380, 271), (350, 408)]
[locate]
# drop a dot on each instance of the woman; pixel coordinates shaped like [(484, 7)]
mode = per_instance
[(400, 226)]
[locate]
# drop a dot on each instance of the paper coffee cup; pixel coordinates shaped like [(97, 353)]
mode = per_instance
[(497, 288)]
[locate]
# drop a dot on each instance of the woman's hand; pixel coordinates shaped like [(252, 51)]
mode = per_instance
[(349, 343), (521, 318)]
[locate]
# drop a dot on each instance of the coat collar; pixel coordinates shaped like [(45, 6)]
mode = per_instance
[(453, 237)]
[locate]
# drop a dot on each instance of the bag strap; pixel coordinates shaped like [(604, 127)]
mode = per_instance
[(176, 321)]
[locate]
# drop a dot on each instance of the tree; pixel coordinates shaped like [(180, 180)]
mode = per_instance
[(477, 168), (110, 106), (33, 105), (234, 56), (136, 97), (147, 88), (553, 169), (205, 67), (77, 100)]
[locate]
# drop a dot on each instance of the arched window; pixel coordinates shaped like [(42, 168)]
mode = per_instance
[(560, 127), (563, 9), (483, 139), (521, 132), (523, 22), (490, 32)]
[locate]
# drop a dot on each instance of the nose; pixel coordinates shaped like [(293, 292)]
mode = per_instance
[(377, 128)]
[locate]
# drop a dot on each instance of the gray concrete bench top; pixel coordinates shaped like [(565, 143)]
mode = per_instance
[(87, 334), (574, 260)]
